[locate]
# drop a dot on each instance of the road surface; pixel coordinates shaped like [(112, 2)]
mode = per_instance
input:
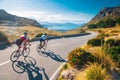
[(36, 66)]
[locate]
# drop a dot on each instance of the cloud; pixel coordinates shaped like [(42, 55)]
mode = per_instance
[(42, 16)]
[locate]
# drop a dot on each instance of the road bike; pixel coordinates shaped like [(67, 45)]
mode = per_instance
[(23, 51), (41, 48), (33, 71), (20, 66)]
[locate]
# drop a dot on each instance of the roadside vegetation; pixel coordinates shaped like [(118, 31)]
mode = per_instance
[(98, 60), (75, 31), (13, 33), (3, 37), (105, 23)]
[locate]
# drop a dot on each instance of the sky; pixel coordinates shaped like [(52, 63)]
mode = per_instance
[(57, 11)]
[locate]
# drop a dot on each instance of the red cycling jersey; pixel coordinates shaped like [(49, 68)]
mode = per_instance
[(23, 38)]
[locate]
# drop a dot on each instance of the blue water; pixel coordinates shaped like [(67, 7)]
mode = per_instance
[(61, 27)]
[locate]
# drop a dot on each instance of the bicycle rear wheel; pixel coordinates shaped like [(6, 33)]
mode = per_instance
[(41, 50), (38, 48), (26, 51), (14, 56)]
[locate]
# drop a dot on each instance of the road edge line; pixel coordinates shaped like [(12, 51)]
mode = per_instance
[(53, 76), (4, 63)]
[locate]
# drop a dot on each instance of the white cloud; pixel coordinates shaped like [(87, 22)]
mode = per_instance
[(42, 16)]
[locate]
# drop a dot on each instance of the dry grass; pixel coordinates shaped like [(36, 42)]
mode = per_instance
[(114, 31), (100, 70), (93, 72), (15, 32), (75, 31), (103, 58)]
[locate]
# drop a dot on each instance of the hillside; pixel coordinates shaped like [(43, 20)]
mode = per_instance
[(11, 27), (106, 17), (12, 33), (106, 13), (7, 19), (99, 59)]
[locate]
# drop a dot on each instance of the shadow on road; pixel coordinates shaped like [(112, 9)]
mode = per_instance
[(52, 55), (29, 66), (2, 47)]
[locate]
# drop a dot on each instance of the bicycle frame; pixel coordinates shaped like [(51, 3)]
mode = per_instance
[(16, 54)]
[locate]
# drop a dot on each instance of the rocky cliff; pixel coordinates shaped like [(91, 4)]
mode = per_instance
[(106, 13)]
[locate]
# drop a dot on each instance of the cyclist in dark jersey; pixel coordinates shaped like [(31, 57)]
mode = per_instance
[(42, 39)]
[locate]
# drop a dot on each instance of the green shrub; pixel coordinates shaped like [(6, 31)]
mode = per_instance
[(95, 42), (38, 35), (112, 47), (104, 24), (118, 21), (101, 24), (110, 23), (102, 35), (65, 66), (3, 37), (92, 26), (111, 43), (78, 57)]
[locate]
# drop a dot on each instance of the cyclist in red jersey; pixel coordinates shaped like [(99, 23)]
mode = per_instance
[(23, 39)]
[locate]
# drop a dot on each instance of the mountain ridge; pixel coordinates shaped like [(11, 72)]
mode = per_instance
[(106, 13), (7, 19)]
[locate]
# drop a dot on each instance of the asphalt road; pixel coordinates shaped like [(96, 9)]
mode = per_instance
[(44, 67)]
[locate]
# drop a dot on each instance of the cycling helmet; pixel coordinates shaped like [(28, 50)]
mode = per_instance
[(45, 33), (25, 33)]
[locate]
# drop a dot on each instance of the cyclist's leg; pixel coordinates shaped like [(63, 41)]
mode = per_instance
[(40, 43), (18, 43), (44, 43), (19, 48), (25, 44)]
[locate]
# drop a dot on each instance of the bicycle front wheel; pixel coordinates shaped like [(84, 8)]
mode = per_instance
[(41, 50), (26, 52), (14, 56)]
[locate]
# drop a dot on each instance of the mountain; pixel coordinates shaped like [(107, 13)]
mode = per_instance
[(7, 19), (106, 13), (61, 26)]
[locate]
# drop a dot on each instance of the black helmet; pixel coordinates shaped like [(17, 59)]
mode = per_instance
[(25, 33), (45, 33)]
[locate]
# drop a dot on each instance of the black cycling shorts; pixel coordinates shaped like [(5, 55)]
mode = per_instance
[(42, 40), (18, 42)]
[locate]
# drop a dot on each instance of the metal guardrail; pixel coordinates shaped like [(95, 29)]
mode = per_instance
[(51, 37), (64, 36)]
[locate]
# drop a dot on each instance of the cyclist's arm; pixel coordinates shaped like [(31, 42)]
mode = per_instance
[(26, 42), (47, 38)]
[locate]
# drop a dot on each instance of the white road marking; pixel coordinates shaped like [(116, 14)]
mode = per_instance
[(4, 63), (53, 76)]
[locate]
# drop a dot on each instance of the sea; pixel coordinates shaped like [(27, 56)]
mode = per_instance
[(62, 27)]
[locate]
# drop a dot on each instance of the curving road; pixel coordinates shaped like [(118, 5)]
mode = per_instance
[(36, 66)]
